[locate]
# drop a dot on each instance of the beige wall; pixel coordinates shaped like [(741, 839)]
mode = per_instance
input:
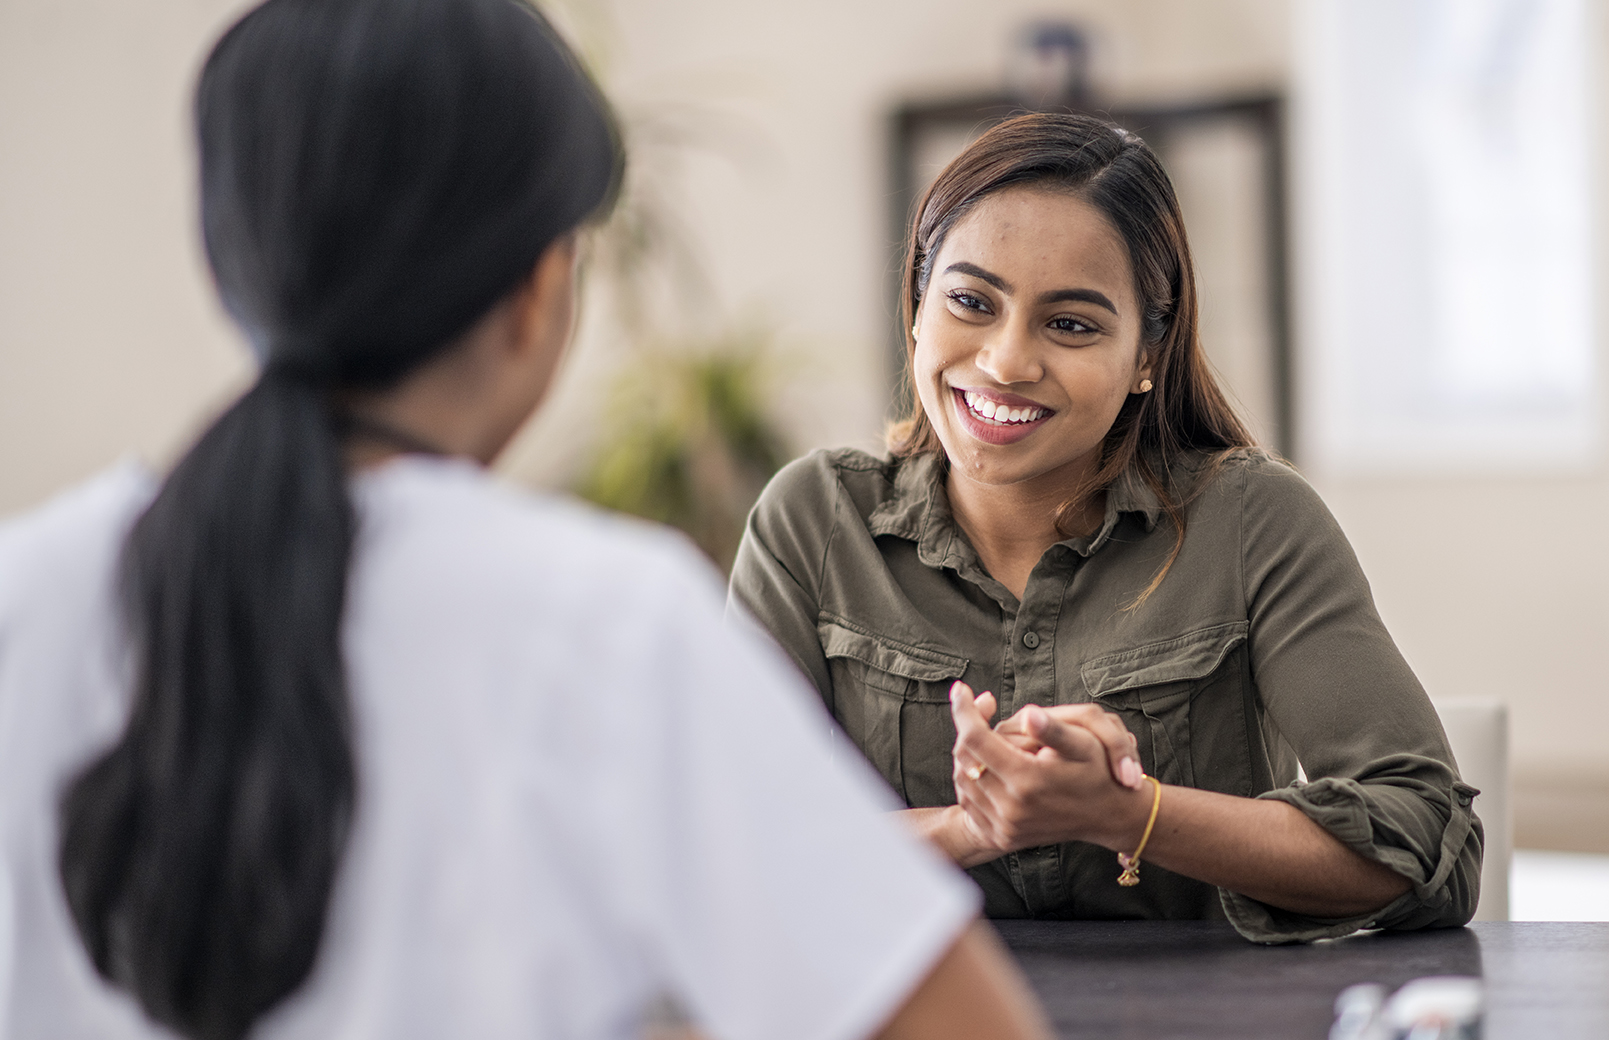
[(1496, 586), (109, 340)]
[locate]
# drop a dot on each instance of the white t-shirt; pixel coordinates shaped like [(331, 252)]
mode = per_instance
[(578, 788)]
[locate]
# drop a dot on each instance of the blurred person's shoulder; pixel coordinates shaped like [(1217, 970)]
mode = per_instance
[(450, 524), (72, 540)]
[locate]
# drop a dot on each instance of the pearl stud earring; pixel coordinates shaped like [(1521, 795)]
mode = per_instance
[(1145, 386)]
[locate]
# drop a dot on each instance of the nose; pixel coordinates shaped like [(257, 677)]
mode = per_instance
[(1010, 356)]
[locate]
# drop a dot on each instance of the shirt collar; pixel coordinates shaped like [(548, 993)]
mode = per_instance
[(1131, 494), (919, 511)]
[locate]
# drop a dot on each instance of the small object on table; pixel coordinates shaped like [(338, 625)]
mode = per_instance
[(1438, 1007), (1357, 1013)]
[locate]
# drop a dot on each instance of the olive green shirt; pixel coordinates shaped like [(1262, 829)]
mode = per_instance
[(1261, 651)]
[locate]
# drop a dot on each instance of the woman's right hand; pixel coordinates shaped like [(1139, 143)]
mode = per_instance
[(958, 834), (1063, 791), (1122, 750)]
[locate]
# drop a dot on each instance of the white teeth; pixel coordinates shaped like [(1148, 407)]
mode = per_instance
[(982, 406)]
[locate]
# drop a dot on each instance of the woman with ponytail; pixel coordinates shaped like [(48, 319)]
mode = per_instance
[(329, 735)]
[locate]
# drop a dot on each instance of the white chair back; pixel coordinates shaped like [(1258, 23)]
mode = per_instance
[(1478, 733)]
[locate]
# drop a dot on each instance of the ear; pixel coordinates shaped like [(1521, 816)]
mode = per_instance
[(544, 298), (1142, 374)]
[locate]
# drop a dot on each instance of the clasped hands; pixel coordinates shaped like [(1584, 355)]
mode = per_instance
[(1046, 775)]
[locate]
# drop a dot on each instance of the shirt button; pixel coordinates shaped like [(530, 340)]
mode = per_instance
[(1030, 639)]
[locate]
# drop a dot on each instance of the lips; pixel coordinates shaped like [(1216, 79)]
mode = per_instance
[(998, 418)]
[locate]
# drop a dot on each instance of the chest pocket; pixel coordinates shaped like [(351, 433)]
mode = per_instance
[(1190, 694), (893, 700)]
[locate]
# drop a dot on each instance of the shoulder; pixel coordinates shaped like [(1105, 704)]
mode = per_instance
[(1268, 485), (1280, 520), (1249, 503), (801, 508), (1253, 481), (85, 510), (814, 491), (454, 530), (811, 484), (73, 539)]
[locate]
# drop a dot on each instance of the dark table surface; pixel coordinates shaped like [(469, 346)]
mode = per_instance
[(1118, 980)]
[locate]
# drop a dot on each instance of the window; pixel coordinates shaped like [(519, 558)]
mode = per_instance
[(1445, 220)]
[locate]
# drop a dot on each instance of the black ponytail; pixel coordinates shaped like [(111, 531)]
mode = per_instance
[(376, 174), (198, 855)]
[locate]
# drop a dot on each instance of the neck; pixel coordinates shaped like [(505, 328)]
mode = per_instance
[(361, 428), (379, 428), (455, 404), (1012, 525)]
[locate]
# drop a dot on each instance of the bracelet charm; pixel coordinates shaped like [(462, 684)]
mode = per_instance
[(1131, 864)]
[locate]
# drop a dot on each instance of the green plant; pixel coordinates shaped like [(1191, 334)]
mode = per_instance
[(689, 438), (692, 444)]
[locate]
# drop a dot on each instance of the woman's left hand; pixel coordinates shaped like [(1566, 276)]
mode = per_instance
[(1042, 781), (1122, 750)]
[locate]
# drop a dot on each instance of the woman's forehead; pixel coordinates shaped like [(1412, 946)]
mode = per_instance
[(1031, 237)]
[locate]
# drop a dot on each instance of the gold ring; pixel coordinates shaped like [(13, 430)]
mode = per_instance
[(976, 772)]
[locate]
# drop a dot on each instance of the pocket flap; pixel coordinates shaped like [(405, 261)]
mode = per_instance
[(841, 638), (1194, 655)]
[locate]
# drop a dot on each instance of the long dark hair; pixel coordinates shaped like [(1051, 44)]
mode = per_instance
[(375, 175), (1114, 171)]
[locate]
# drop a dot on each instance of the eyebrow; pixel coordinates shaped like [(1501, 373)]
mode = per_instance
[(1099, 299), (1078, 296)]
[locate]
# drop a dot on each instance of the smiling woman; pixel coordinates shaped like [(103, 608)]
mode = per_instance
[(1004, 319), (1073, 519)]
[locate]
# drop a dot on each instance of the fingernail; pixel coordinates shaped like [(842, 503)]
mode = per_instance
[(956, 687), (1131, 773)]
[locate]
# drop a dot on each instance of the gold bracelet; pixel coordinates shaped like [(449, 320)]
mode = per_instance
[(1131, 864)]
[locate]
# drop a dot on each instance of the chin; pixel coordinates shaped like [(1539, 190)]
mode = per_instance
[(984, 467)]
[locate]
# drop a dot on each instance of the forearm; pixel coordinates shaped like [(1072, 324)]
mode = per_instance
[(975, 992), (1267, 850)]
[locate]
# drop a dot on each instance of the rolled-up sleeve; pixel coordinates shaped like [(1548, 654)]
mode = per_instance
[(1381, 776)]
